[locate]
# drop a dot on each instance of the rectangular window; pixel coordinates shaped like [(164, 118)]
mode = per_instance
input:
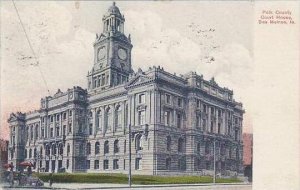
[(64, 115), (142, 98), (124, 164), (168, 99), (64, 129), (68, 164), (141, 117), (96, 165), (219, 128), (51, 132), (204, 108), (138, 163), (167, 118), (179, 103), (42, 131), (57, 117), (105, 164), (178, 120), (57, 131), (70, 127), (70, 113), (198, 121), (116, 164), (102, 80), (91, 129)]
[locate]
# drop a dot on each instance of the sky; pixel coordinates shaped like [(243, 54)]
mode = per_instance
[(212, 38)]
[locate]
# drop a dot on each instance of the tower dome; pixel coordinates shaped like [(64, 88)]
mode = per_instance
[(113, 10)]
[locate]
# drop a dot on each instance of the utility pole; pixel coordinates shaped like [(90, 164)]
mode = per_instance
[(129, 143), (214, 179)]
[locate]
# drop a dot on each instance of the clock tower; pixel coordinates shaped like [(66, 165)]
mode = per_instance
[(112, 53)]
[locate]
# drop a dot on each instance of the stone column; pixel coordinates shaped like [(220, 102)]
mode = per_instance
[(113, 114), (148, 106), (94, 117)]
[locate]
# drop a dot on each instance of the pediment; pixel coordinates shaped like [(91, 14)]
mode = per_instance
[(12, 117), (139, 79), (15, 117)]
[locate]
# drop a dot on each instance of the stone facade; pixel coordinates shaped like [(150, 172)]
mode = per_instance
[(174, 119)]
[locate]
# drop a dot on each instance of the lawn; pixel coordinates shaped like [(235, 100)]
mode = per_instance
[(136, 179)]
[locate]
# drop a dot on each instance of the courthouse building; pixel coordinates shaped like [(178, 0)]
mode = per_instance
[(174, 120)]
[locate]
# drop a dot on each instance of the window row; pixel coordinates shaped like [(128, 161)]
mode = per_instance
[(116, 146), (115, 164), (169, 99)]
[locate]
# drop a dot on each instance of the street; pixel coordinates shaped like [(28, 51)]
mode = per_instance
[(137, 187)]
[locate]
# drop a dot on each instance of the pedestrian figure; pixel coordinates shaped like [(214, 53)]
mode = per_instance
[(19, 178), (11, 178), (51, 179), (29, 171)]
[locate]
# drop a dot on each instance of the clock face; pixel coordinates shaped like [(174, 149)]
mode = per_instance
[(101, 52), (122, 54)]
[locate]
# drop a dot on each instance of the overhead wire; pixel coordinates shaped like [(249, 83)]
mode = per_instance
[(30, 45)]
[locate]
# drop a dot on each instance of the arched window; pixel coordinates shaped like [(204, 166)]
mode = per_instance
[(118, 117), (168, 163), (88, 148), (36, 131), (108, 119), (30, 153), (168, 143), (53, 149), (106, 147), (198, 147), (116, 146), (180, 145), (139, 142), (41, 151), (34, 153), (28, 132), (31, 133), (237, 153), (61, 149), (97, 148), (47, 150)]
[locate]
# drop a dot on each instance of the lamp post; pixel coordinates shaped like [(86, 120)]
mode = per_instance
[(214, 179), (129, 143)]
